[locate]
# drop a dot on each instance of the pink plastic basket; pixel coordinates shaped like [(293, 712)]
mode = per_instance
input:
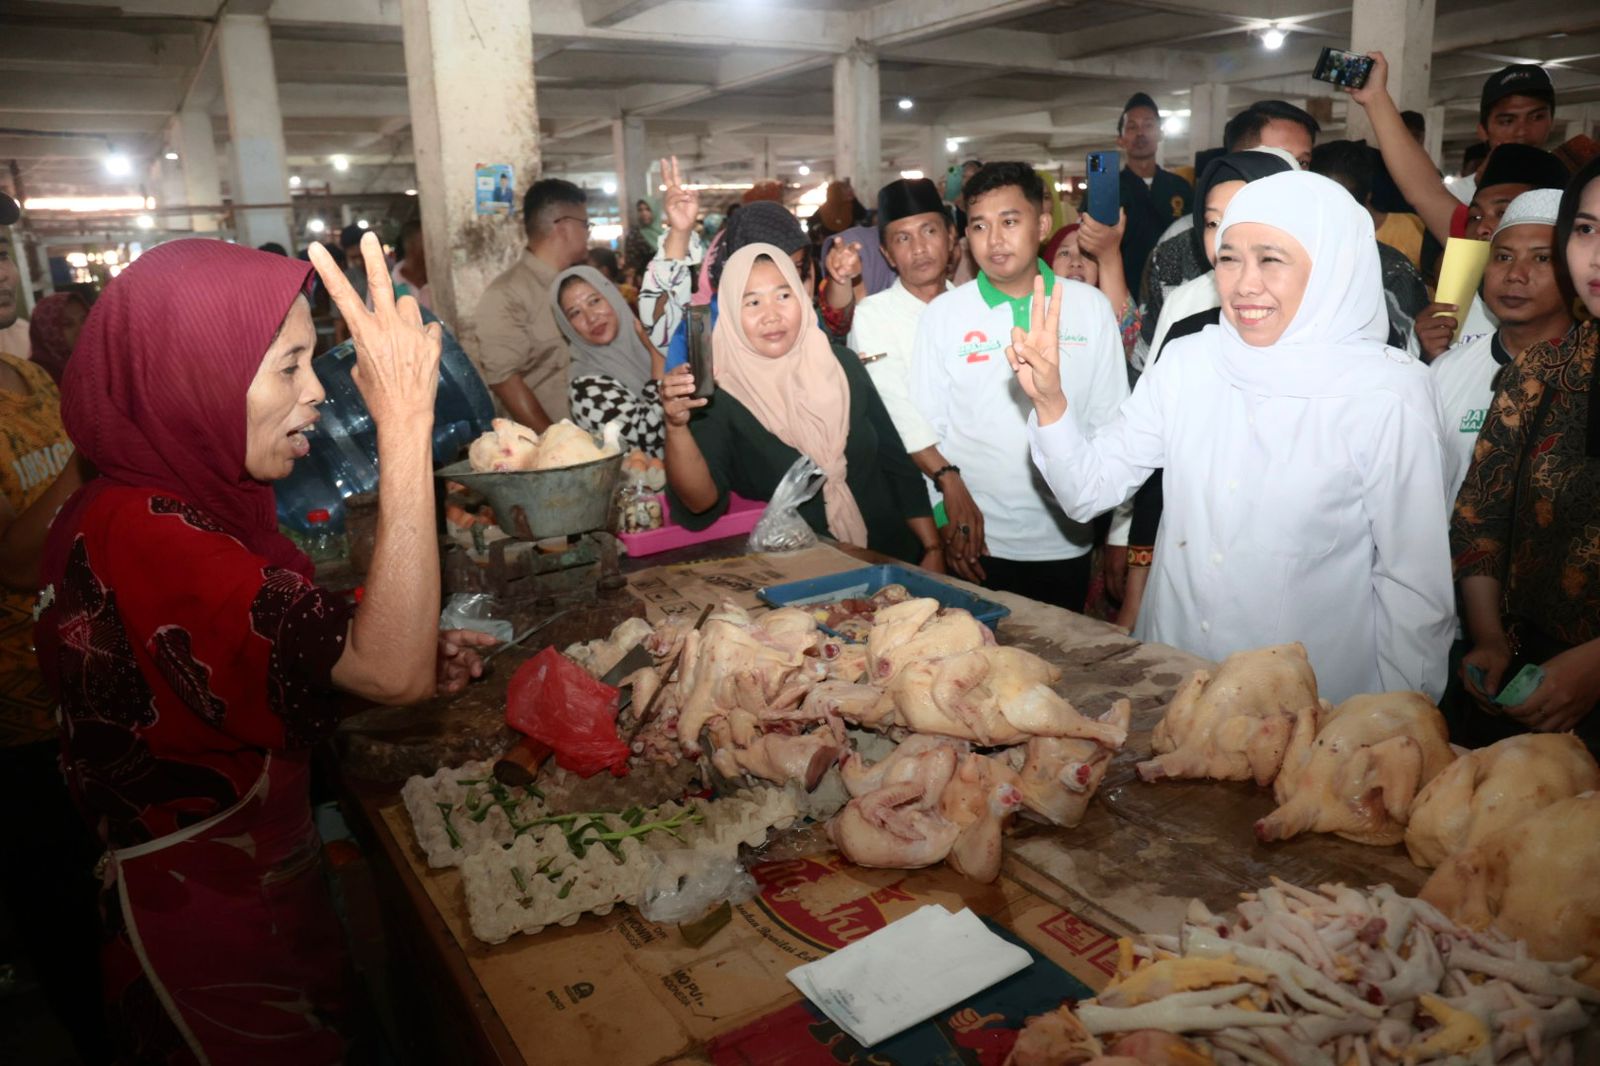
[(740, 518)]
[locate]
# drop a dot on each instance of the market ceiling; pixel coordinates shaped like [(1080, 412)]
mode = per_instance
[(726, 84)]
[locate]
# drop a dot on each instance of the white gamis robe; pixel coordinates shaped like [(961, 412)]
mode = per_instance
[(1318, 519)]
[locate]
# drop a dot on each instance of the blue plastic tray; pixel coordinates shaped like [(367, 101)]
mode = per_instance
[(864, 582)]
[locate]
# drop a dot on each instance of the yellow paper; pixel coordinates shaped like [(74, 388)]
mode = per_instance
[(1459, 276)]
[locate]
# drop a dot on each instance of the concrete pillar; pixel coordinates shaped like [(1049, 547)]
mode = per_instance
[(197, 155), (255, 124), (1208, 114), (171, 191), (633, 164), (469, 70), (1403, 31), (769, 160), (857, 134), (936, 156), (1433, 134)]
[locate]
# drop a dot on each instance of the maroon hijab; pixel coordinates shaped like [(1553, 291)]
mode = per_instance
[(47, 332), (154, 395)]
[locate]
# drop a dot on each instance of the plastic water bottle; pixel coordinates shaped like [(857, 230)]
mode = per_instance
[(322, 543)]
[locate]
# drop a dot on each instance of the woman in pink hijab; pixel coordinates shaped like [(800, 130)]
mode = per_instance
[(196, 661), (784, 391)]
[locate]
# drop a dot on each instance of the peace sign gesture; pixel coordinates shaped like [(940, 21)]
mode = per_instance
[(682, 205), (1034, 354), (397, 357)]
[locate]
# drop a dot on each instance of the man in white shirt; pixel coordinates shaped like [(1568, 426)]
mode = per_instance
[(917, 235), (961, 383), (1521, 288)]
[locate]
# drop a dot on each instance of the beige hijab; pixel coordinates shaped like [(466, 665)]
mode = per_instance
[(802, 397)]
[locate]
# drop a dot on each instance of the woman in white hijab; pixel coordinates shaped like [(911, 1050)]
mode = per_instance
[(1304, 475)]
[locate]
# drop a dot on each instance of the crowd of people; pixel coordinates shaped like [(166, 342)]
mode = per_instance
[(1231, 419)]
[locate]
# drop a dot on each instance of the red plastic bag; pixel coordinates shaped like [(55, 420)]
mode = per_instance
[(554, 700)]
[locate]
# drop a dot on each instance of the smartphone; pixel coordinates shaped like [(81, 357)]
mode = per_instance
[(1348, 70), (1104, 196), (698, 326)]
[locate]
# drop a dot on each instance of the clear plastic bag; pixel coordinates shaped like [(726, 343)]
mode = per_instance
[(475, 610), (684, 884), (781, 529)]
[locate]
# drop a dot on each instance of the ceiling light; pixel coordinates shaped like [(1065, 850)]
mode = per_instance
[(911, 175), (145, 222), (952, 143), (804, 170), (609, 188), (1272, 39), (411, 192), (1174, 124), (340, 163), (361, 223), (294, 181), (906, 103), (316, 225), (118, 165), (172, 155)]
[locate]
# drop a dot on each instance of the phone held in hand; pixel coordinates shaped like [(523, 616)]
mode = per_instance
[(1348, 70), (698, 325), (1103, 198), (1519, 688)]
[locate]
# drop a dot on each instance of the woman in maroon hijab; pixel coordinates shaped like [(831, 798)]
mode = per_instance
[(53, 330), (196, 661)]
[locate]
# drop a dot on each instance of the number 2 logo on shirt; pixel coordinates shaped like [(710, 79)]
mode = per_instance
[(975, 347)]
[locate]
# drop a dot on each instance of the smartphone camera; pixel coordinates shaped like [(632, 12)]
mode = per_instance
[(1097, 163), (1348, 70)]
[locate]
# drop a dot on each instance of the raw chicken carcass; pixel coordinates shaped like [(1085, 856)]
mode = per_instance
[(916, 630), (733, 663), (1490, 788), (1060, 774), (566, 444), (1537, 879), (899, 825), (1358, 774), (991, 695), (1235, 725), (980, 798), (780, 758), (508, 446)]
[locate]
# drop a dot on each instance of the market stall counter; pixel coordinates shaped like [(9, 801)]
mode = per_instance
[(621, 989)]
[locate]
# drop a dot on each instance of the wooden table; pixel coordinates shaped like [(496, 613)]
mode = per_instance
[(1142, 852)]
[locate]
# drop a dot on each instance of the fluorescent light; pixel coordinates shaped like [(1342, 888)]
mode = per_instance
[(911, 175), (606, 232), (294, 181), (340, 163), (952, 143), (145, 222), (362, 223), (118, 165), (84, 204), (171, 155), (906, 103), (316, 225), (1272, 39), (609, 188), (1172, 125), (411, 192), (77, 259), (804, 170)]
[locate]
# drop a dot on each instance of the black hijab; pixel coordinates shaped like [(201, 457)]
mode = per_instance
[(1249, 165)]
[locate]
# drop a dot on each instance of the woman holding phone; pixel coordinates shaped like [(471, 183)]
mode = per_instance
[(782, 390)]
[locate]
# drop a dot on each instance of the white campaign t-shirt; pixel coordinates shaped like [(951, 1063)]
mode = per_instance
[(965, 388), (1465, 375), (886, 322)]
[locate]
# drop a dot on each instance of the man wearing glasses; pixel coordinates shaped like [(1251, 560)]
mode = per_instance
[(521, 354)]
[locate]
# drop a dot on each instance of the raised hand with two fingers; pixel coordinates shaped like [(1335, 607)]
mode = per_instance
[(397, 357), (1034, 354)]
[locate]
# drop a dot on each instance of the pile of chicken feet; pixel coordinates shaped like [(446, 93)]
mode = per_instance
[(980, 731)]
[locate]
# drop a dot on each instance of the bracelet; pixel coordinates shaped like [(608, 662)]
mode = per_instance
[(1141, 556), (942, 471)]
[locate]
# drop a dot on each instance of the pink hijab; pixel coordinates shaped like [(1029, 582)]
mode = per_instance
[(154, 395), (802, 397)]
